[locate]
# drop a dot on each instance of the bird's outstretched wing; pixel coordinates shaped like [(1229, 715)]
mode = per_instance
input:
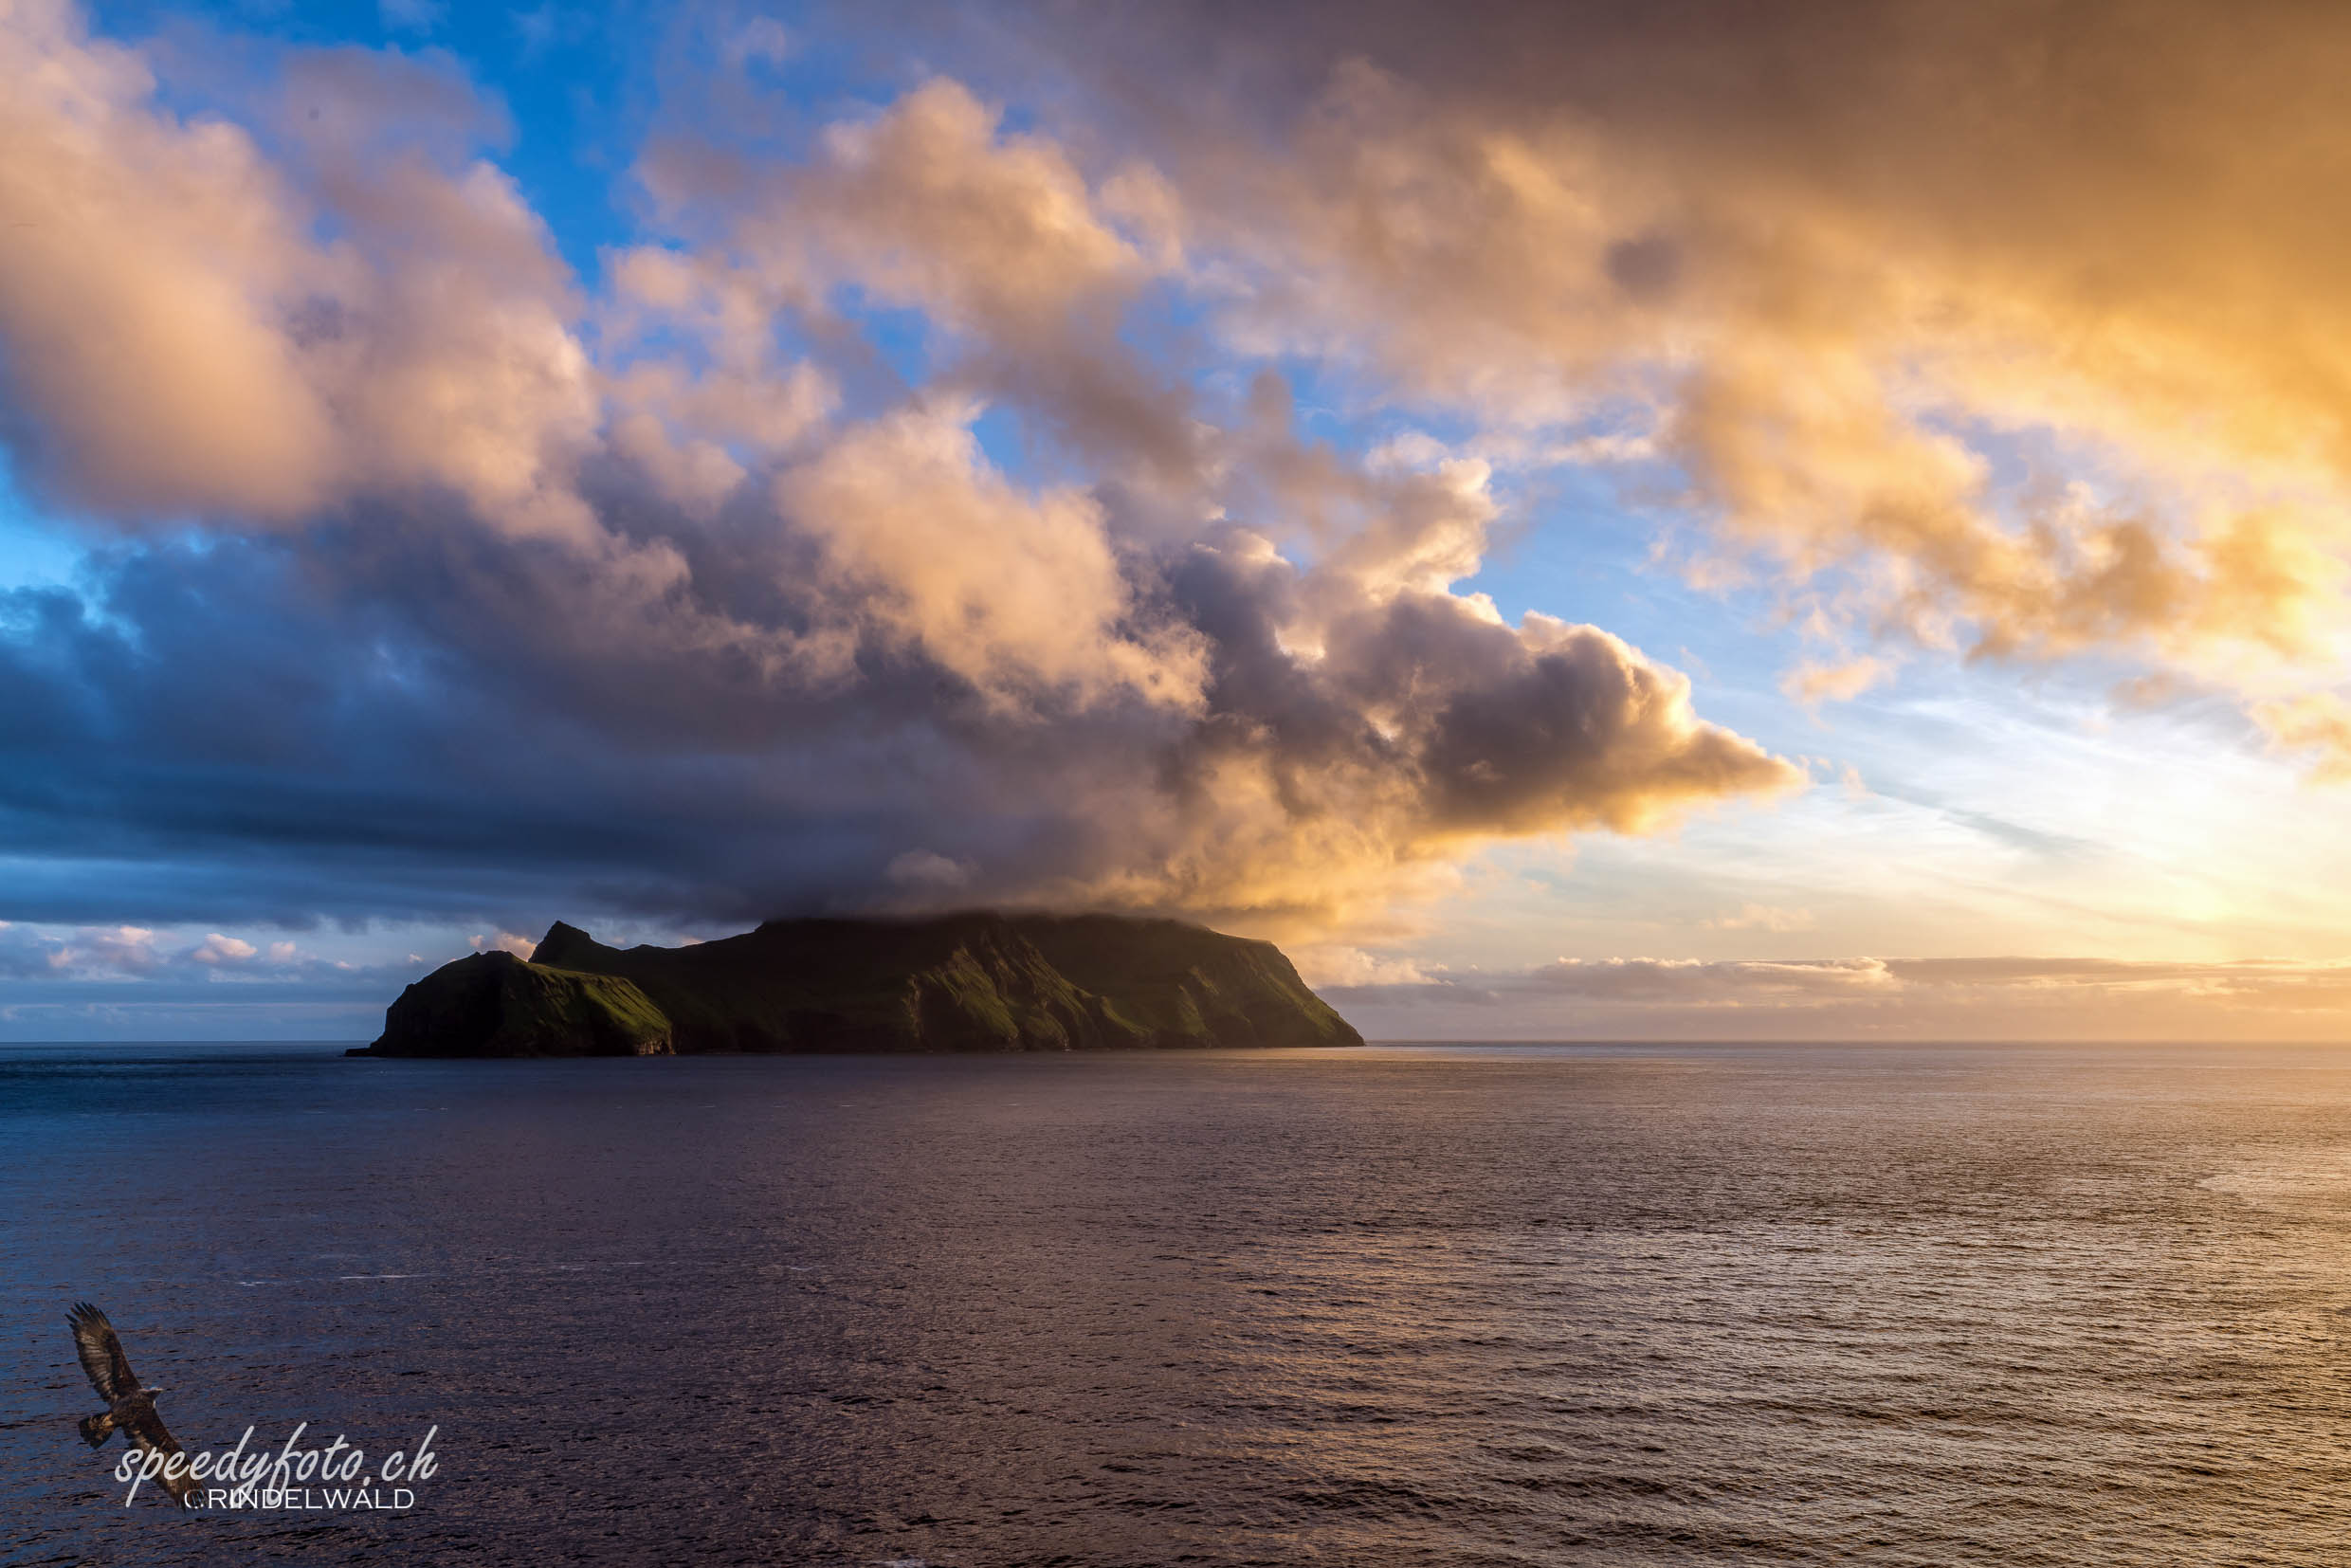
[(148, 1435), (100, 1350)]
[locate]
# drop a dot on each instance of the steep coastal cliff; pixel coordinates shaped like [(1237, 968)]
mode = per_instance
[(971, 982)]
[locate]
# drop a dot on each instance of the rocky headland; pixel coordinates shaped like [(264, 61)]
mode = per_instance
[(969, 982)]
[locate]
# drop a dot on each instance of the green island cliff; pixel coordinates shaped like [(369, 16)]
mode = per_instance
[(969, 982)]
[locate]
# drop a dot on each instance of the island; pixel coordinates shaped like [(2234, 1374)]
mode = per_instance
[(979, 981)]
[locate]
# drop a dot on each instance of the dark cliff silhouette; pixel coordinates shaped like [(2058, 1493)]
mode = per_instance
[(969, 982)]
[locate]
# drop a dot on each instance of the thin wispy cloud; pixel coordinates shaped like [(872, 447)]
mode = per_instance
[(1863, 999)]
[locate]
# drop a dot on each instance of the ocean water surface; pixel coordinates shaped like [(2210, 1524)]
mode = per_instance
[(1396, 1305)]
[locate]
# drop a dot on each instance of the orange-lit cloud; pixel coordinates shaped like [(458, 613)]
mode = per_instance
[(2013, 328), (180, 340), (2315, 723)]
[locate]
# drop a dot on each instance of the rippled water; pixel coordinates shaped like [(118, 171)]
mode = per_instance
[(1390, 1306)]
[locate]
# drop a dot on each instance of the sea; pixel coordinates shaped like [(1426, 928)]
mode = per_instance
[(1399, 1305)]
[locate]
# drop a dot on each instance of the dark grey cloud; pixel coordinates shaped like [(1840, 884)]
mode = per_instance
[(395, 718)]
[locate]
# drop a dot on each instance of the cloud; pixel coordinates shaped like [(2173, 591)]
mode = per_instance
[(181, 342), (121, 949), (141, 954), (116, 983), (762, 38), (1991, 327), (506, 941), (1812, 683), (144, 254), (921, 869), (411, 15), (1331, 967), (1002, 589), (2315, 722), (1764, 917), (462, 595), (1694, 982), (1993, 998)]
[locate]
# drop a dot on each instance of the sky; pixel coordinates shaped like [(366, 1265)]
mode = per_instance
[(1685, 521)]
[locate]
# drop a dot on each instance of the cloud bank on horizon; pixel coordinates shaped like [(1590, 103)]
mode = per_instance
[(1910, 1000), (921, 506)]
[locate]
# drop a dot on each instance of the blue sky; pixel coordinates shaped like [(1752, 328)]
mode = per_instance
[(658, 468)]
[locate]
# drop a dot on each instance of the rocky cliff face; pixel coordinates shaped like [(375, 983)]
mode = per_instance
[(955, 983)]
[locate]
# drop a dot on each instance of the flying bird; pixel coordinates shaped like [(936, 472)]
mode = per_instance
[(130, 1404)]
